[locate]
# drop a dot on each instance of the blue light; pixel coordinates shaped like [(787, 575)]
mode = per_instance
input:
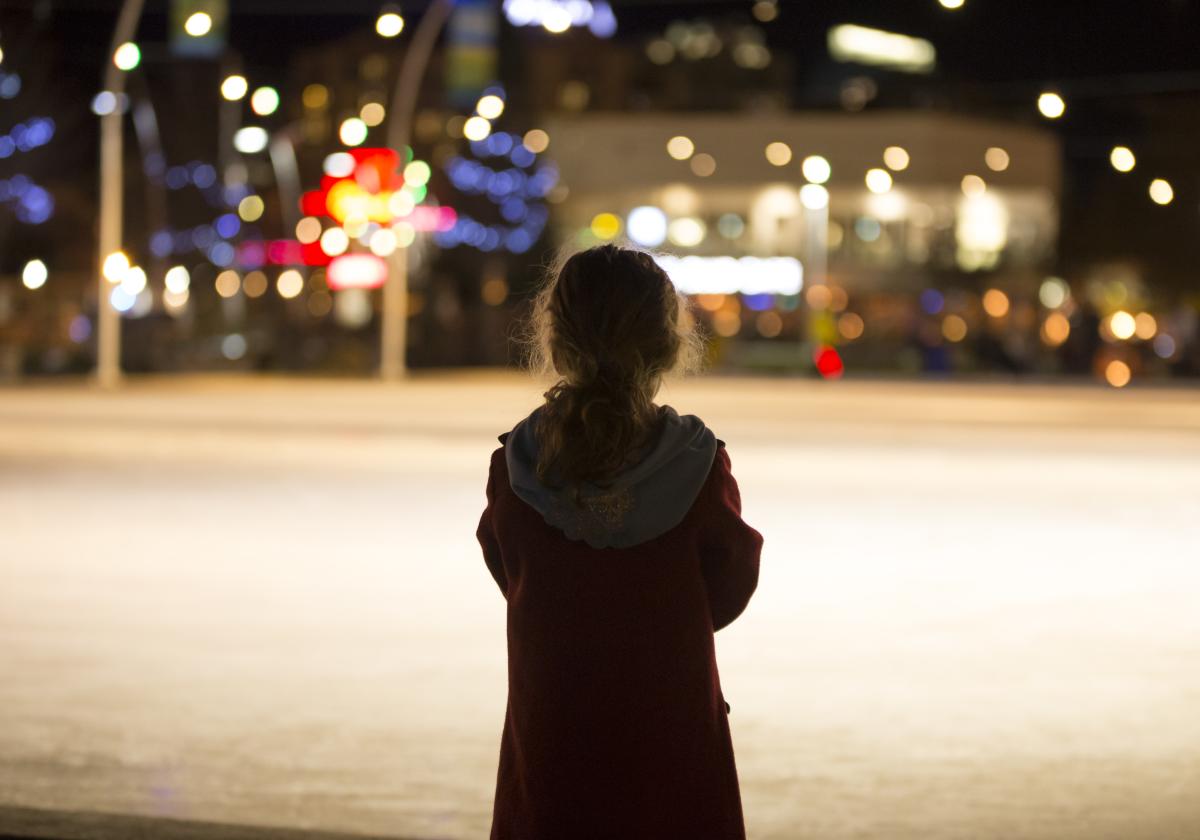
[(758, 303), (514, 210), (10, 85), (499, 144), (203, 236), (203, 175), (603, 23), (518, 241), (177, 178), (228, 225), (521, 156), (221, 254), (932, 301), (491, 240), (7, 146), (162, 243)]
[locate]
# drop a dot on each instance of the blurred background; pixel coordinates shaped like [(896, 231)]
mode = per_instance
[(261, 265), (918, 188)]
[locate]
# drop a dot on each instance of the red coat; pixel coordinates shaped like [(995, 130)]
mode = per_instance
[(616, 728)]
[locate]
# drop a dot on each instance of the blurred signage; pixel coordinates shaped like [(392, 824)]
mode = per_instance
[(198, 27), (471, 50), (863, 45), (731, 275)]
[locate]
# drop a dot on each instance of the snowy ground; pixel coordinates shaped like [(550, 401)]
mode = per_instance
[(261, 601)]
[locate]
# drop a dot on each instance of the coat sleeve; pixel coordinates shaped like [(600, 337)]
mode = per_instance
[(729, 548), (486, 533)]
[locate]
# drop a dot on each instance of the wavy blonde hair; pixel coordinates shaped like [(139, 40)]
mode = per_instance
[(610, 325)]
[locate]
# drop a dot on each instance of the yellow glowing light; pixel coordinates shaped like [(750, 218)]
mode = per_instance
[(726, 324), (895, 158), (352, 131), (1122, 159), (289, 284), (703, 164), (1051, 105), (315, 96), (995, 303), (389, 24), (234, 87), (264, 101), (851, 326), (951, 4), (255, 284), (710, 303), (489, 107), (1053, 292), (417, 173), (383, 242), (954, 328), (1161, 191), (818, 296), (1145, 326), (557, 19), (198, 24), (251, 208), (605, 226), (177, 280), (334, 241), (768, 324), (1117, 373), (687, 232), (814, 196), (779, 154), (878, 181), (34, 274), (1122, 325), (494, 291), (536, 140), (134, 281), (116, 266), (680, 147), (863, 45), (816, 169), (996, 159), (1056, 329), (372, 114), (127, 56), (308, 230), (406, 234), (228, 283), (476, 128), (401, 204), (973, 185)]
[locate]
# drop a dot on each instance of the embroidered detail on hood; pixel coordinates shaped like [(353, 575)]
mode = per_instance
[(643, 502)]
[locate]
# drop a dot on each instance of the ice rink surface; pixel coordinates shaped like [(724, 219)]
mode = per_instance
[(261, 601)]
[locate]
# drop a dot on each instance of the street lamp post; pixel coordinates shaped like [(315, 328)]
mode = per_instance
[(393, 337), (112, 177)]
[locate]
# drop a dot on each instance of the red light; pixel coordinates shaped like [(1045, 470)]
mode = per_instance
[(356, 271), (828, 362)]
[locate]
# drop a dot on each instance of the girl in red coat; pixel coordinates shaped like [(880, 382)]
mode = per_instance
[(613, 528)]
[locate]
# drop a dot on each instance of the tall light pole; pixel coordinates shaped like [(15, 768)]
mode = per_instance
[(112, 178), (393, 338)]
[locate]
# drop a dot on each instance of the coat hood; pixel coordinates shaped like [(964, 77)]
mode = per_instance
[(641, 503)]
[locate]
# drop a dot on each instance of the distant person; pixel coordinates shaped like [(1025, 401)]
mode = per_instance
[(613, 527)]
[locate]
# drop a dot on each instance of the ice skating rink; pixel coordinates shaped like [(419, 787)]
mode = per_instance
[(261, 601)]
